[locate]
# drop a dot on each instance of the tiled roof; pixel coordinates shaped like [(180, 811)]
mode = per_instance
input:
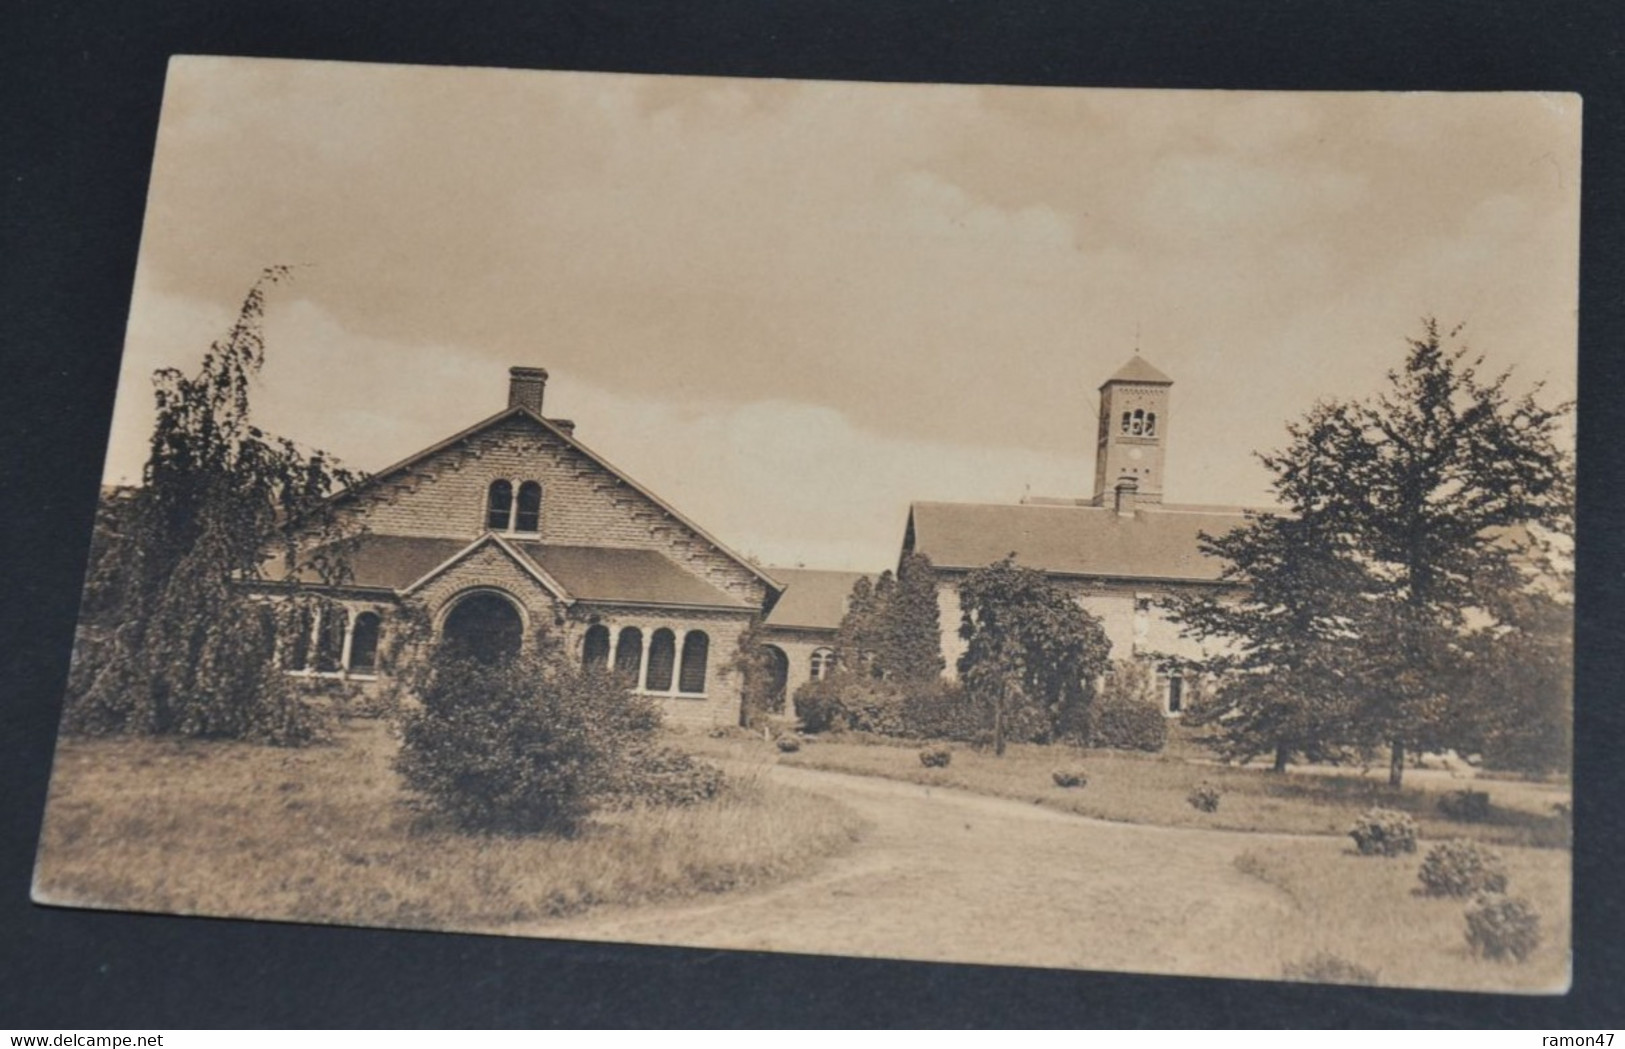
[(586, 573), (606, 573), (1154, 544), (813, 599), (1138, 369)]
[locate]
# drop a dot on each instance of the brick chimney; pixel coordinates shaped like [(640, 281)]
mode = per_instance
[(525, 388), (1128, 493)]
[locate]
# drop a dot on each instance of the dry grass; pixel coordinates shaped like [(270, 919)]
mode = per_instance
[(1152, 789), (1365, 912), (324, 835)]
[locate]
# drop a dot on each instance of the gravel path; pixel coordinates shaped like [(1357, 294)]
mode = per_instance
[(944, 875)]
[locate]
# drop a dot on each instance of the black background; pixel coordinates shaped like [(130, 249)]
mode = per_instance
[(81, 88)]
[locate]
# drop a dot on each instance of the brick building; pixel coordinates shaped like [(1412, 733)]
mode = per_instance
[(513, 529), (1120, 552)]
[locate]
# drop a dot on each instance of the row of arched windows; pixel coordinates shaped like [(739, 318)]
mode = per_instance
[(651, 667), (1140, 423), (505, 513), (329, 640)]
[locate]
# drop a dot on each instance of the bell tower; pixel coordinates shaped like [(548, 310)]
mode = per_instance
[(1133, 432)]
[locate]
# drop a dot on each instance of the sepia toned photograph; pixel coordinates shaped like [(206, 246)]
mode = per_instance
[(1117, 530)]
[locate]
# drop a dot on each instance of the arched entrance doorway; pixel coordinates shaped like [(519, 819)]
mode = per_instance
[(778, 669), (483, 626)]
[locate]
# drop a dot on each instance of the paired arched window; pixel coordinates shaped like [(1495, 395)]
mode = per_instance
[(1150, 424), (499, 506), (662, 661), (528, 515), (1128, 420), (691, 678), (504, 513), (823, 662), (595, 649)]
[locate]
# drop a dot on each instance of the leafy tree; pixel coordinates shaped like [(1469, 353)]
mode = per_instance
[(912, 649), (1405, 515), (1028, 644), (170, 643)]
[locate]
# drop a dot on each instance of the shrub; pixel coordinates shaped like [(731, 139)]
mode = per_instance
[(1461, 868), (945, 710), (1384, 832), (1501, 927), (524, 746), (1466, 806), (871, 706), (1067, 779), (1326, 967), (1204, 797), (663, 776), (936, 757), (818, 706), (788, 744), (1124, 716)]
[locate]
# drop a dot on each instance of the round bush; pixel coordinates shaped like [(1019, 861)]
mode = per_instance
[(1461, 868), (788, 744), (1501, 927), (1204, 797), (522, 746), (1070, 778), (1384, 832), (936, 757)]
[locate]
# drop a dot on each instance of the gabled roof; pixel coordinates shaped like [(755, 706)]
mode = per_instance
[(401, 563), (569, 439), (1138, 369), (1153, 544), (813, 599)]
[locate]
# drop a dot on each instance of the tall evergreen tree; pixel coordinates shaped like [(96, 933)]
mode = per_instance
[(1410, 510), (913, 624)]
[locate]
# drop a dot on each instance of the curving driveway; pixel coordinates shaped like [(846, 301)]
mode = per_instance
[(943, 875)]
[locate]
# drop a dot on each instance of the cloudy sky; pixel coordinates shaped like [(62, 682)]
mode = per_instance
[(793, 307)]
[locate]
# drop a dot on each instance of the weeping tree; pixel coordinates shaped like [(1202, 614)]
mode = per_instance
[(171, 642), (1028, 648)]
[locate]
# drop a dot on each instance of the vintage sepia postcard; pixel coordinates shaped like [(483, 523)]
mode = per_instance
[(1097, 529)]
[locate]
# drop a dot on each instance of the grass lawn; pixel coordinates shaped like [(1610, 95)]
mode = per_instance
[(1366, 911), (324, 834), (1152, 789)]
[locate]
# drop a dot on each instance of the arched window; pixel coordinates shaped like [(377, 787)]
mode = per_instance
[(823, 661), (364, 643), (1150, 424), (1127, 419), (499, 506), (1176, 693), (1139, 422), (595, 649), (662, 660), (334, 624), (629, 652), (691, 677), (529, 517)]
